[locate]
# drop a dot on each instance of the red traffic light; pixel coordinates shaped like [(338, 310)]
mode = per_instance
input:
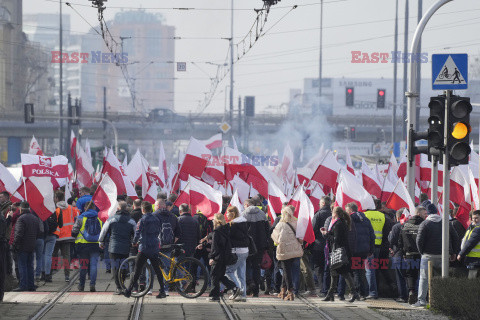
[(381, 93), (349, 90)]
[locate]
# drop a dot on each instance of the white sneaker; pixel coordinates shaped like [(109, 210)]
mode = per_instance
[(149, 292), (240, 299), (419, 305)]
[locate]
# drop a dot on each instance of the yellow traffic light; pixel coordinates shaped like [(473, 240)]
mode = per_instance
[(460, 130)]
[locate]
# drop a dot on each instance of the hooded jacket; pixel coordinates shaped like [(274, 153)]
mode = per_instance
[(429, 238), (288, 246), (318, 222), (82, 201), (239, 232), (190, 233), (147, 232), (220, 243), (121, 228), (365, 236), (27, 229), (258, 227)]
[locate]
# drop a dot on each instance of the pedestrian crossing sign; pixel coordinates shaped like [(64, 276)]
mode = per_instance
[(449, 71)]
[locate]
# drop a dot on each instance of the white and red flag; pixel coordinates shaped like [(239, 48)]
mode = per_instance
[(41, 166), (350, 190), (327, 171), (105, 198), (315, 196), (73, 145), (115, 171), (393, 165), (213, 142), (201, 197), (474, 190), (285, 171), (242, 188), (7, 181), (39, 194), (151, 195), (35, 147), (135, 169), (195, 161), (162, 167), (276, 197), (85, 170), (88, 150), (349, 163), (235, 202), (304, 211), (400, 198), (370, 181)]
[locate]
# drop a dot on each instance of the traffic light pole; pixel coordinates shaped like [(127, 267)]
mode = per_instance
[(412, 94), (446, 193)]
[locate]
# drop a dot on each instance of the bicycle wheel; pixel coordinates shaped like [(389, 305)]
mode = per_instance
[(190, 278), (125, 277)]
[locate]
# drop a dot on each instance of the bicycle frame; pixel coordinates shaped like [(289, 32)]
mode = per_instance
[(173, 264)]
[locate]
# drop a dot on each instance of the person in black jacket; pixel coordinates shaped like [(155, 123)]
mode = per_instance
[(258, 229), (318, 247), (337, 237), (26, 231), (219, 258), (407, 247), (3, 253), (121, 228), (190, 235), (136, 213), (429, 244), (471, 246), (397, 258)]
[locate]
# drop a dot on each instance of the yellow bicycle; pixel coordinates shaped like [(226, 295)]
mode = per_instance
[(185, 274)]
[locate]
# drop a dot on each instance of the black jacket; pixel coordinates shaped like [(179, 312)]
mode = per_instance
[(365, 236), (164, 216), (190, 233), (219, 244), (459, 228), (27, 229), (393, 237), (136, 214), (318, 222), (337, 237), (121, 228), (239, 233), (407, 241), (258, 227), (429, 238)]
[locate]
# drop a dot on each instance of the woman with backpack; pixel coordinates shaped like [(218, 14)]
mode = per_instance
[(289, 248), (86, 230), (220, 256), (239, 240)]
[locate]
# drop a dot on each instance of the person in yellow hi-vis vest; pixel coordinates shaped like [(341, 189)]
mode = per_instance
[(471, 246), (382, 225), (86, 230)]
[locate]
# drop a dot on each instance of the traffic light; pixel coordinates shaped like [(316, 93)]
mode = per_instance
[(458, 130), (250, 106), (28, 108), (349, 95), (436, 126), (353, 134), (381, 98), (345, 133), (75, 113)]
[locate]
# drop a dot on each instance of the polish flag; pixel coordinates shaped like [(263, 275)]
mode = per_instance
[(73, 144), (459, 186), (35, 148), (105, 198), (425, 168), (125, 162), (380, 177), (216, 168), (316, 160), (241, 187), (88, 149), (285, 171), (84, 168), (7, 181), (350, 190), (370, 181), (235, 202), (68, 194), (213, 142), (327, 171), (387, 187), (473, 190), (303, 175), (162, 166), (39, 194), (135, 169), (41, 166), (402, 167), (195, 161), (151, 175), (304, 211), (201, 197), (393, 165), (151, 195), (400, 198), (276, 198), (349, 163), (474, 163), (112, 167), (315, 196), (172, 177)]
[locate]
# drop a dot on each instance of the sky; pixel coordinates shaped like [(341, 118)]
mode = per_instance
[(289, 51)]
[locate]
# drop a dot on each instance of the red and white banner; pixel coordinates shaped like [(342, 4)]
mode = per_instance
[(85, 170), (399, 198), (304, 212), (315, 196), (213, 142), (7, 181), (195, 161), (73, 145), (135, 169), (151, 195), (105, 198), (39, 194), (115, 171), (327, 171), (276, 198), (35, 148), (370, 181), (350, 190), (201, 197), (41, 166)]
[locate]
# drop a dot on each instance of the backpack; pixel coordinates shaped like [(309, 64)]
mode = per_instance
[(91, 233), (166, 235), (409, 233), (52, 223), (203, 225)]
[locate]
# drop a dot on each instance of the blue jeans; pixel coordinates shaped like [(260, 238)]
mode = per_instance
[(88, 253), (25, 268), (48, 252), (39, 257), (236, 272), (397, 264), (296, 274), (341, 286), (371, 274), (106, 257), (423, 282)]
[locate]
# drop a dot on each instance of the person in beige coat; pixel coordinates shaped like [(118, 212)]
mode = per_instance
[(289, 248)]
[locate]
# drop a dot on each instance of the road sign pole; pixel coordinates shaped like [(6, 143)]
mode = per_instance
[(412, 94), (446, 194)]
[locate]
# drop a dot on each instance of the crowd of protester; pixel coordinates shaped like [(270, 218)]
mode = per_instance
[(367, 254)]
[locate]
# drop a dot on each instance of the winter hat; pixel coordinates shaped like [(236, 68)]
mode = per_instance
[(431, 209)]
